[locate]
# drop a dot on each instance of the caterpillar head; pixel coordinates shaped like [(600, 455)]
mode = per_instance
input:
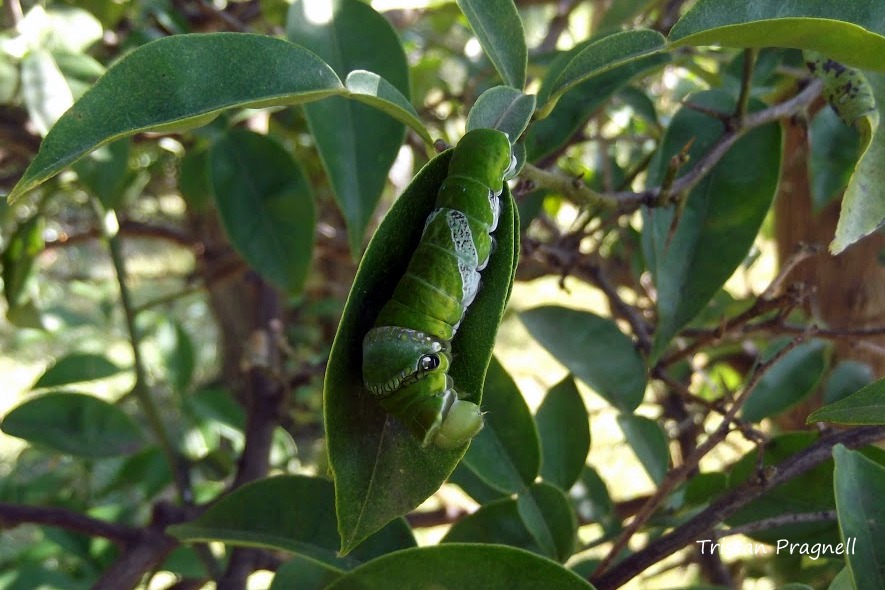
[(461, 423), (394, 357), (431, 410)]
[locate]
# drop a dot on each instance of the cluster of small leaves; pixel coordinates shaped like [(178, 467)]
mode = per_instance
[(676, 194)]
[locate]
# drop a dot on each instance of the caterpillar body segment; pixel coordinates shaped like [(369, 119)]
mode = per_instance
[(406, 355)]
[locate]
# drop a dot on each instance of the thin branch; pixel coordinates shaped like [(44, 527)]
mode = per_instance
[(619, 306), (128, 228), (726, 505), (231, 21), (746, 85), (624, 202), (676, 476), (779, 520), (107, 222), (12, 515), (580, 193), (265, 397), (558, 24), (136, 561)]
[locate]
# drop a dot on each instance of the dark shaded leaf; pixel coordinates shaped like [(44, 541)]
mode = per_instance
[(788, 381), (76, 368), (506, 452), (649, 442), (867, 406), (498, 28), (860, 487), (265, 204), (720, 218), (462, 565), (594, 349), (357, 143), (564, 429), (293, 513), (74, 423)]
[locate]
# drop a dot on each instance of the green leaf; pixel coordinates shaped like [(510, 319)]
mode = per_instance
[(74, 423), (846, 378), (79, 69), (506, 453), (863, 205), (374, 90), (564, 429), (193, 179), (867, 406), (461, 565), (292, 513), (149, 468), (539, 520), (842, 581), (356, 142), (503, 108), (179, 80), (496, 522), (548, 517), (9, 79), (77, 367), (788, 381), (850, 32), (473, 486), (649, 442), (603, 56), (498, 28), (720, 217), (592, 501), (594, 349), (619, 13), (832, 157), (60, 28), (105, 173), (368, 449), (574, 107), (45, 91), (22, 249), (860, 487), (178, 355), (265, 205), (304, 574)]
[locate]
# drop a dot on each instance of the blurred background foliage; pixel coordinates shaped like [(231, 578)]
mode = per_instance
[(197, 301)]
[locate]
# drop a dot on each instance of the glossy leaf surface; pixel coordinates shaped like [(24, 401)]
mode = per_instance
[(368, 449), (74, 423), (178, 81)]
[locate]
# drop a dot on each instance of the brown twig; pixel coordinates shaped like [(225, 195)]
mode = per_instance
[(129, 229), (779, 520), (12, 515), (265, 398), (558, 24), (728, 504), (624, 202), (676, 476)]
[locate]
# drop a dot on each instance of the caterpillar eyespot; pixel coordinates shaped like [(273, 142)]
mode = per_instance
[(406, 355)]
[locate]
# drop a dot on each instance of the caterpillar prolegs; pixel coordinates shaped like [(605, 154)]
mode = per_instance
[(407, 354)]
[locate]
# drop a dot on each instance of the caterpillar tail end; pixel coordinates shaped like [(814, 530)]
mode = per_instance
[(462, 423)]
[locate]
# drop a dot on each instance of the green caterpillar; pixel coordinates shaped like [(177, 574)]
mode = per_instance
[(846, 89), (406, 355)]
